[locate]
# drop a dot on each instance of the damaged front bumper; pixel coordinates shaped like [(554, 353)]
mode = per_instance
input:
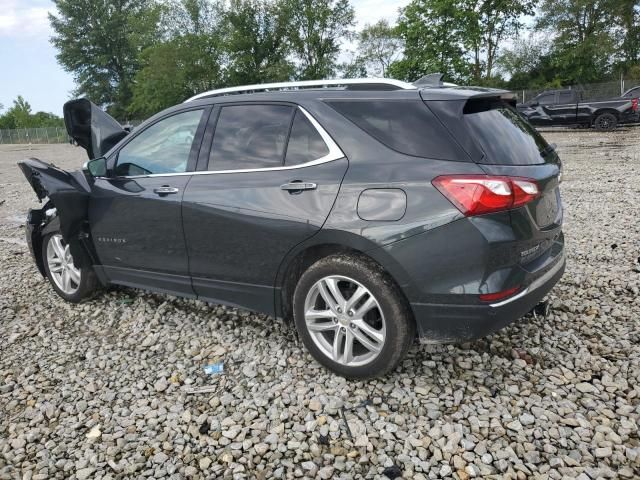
[(65, 211)]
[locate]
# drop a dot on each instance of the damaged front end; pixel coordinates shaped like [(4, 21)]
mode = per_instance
[(67, 193), (66, 211)]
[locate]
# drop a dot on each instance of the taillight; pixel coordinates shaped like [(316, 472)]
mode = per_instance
[(634, 104), (480, 194), (492, 297)]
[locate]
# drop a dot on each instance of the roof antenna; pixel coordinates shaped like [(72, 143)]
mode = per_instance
[(431, 80)]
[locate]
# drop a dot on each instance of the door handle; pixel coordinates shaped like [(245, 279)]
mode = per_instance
[(165, 190), (298, 186)]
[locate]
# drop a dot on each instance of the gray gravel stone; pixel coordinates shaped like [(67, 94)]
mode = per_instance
[(122, 363)]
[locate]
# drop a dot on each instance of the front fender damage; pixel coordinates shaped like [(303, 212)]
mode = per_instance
[(66, 210)]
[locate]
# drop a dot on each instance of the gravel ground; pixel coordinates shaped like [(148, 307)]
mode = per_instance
[(100, 390)]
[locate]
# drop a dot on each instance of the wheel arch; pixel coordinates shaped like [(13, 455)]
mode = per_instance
[(320, 246), (610, 110)]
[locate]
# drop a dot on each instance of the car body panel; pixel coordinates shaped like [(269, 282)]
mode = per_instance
[(233, 237), (70, 193), (149, 237), (232, 219), (574, 112)]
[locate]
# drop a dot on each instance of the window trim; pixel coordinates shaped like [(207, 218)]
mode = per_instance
[(207, 157), (112, 156), (335, 153)]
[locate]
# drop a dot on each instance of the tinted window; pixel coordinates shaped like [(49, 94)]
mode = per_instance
[(164, 147), (406, 126), (305, 143), (547, 99), (633, 93), (250, 136), (503, 135), (566, 97)]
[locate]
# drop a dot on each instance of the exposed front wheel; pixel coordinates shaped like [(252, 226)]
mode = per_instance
[(69, 281), (352, 317), (606, 121)]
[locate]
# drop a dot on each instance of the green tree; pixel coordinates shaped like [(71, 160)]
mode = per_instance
[(100, 41), (490, 23), (627, 13), (527, 64), (256, 41), (433, 32), (20, 116), (354, 67), (379, 45), (20, 113), (460, 38), (583, 43), (317, 29), (173, 71), (188, 61)]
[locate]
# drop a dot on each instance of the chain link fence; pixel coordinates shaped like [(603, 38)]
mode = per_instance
[(34, 135), (590, 92), (45, 135)]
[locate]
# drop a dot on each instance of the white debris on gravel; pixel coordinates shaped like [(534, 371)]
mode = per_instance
[(99, 390)]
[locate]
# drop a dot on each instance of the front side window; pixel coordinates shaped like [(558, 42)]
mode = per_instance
[(250, 136), (305, 143), (164, 147), (633, 93)]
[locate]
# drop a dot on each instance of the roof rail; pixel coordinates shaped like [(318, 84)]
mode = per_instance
[(354, 83)]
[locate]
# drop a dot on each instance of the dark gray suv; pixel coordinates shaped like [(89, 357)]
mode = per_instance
[(368, 211)]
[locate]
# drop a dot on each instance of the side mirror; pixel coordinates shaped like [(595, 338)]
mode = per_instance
[(534, 103), (97, 167)]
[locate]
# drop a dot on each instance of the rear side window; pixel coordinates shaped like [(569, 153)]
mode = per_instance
[(504, 136), (407, 126), (547, 99), (565, 97), (305, 143), (250, 136)]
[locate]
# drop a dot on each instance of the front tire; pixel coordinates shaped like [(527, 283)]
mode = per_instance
[(606, 122), (352, 317), (72, 283)]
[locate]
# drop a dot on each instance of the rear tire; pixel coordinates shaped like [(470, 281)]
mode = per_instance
[(365, 310), (606, 122), (72, 283)]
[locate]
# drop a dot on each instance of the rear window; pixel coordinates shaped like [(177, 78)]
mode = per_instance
[(407, 126), (504, 136), (305, 143)]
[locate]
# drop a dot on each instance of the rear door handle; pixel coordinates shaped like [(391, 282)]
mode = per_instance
[(298, 186), (165, 190)]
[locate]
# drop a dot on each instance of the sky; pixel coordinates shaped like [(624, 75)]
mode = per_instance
[(28, 65)]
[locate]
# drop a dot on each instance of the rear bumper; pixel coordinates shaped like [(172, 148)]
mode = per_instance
[(448, 323)]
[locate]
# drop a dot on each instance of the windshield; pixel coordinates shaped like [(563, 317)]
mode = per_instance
[(504, 136), (632, 93)]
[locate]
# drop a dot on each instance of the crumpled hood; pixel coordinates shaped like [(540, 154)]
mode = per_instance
[(68, 191)]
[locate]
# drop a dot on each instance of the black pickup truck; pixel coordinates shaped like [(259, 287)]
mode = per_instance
[(565, 107)]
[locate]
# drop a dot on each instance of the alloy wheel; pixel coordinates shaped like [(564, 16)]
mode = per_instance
[(604, 123), (345, 320), (63, 272)]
